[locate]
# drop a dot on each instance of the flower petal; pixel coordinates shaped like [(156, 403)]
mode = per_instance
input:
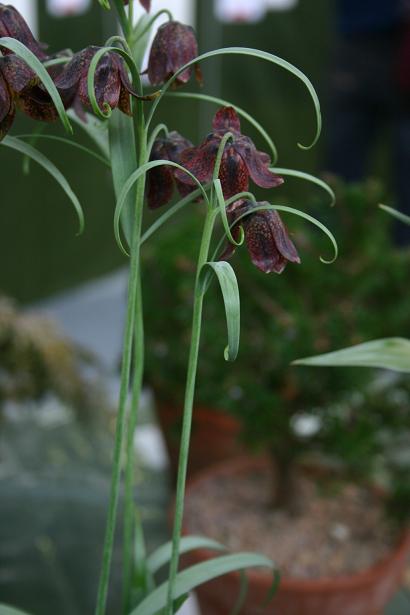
[(17, 74), (36, 103), (160, 186), (257, 163), (12, 24), (173, 46), (261, 244), (6, 122), (233, 173), (199, 161), (5, 99), (283, 242), (226, 119)]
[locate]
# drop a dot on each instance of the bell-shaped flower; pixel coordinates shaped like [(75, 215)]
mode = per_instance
[(266, 237), (174, 46), (111, 82), (20, 87), (146, 4), (13, 25), (240, 159), (161, 180)]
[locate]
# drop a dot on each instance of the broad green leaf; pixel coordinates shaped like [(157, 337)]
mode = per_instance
[(129, 184), (309, 178), (34, 63), (123, 163), (28, 150), (239, 111), (95, 129), (230, 293), (190, 578), (389, 353), (262, 55), (162, 555), (11, 610), (78, 146), (396, 214)]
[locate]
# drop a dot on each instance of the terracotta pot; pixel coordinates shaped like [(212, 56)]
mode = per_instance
[(364, 593), (214, 438)]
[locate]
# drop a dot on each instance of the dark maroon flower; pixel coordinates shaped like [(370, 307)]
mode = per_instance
[(13, 25), (240, 159), (266, 237), (20, 87), (111, 82), (161, 180), (173, 46)]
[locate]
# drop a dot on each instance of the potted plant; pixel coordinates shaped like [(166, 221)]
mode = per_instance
[(313, 309), (147, 161)]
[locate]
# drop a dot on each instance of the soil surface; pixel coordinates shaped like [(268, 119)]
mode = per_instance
[(342, 528)]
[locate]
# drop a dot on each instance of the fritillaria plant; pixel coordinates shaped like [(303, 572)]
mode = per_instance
[(148, 163)]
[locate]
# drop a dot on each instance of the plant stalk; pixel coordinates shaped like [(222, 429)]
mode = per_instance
[(188, 405)]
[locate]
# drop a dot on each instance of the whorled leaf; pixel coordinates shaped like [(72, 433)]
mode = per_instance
[(396, 214), (162, 555), (263, 55), (308, 177)]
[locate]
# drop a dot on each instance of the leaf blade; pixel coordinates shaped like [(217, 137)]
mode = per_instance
[(387, 353), (162, 555)]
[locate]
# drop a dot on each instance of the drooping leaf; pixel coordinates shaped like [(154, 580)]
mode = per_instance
[(70, 142), (34, 63), (28, 150), (389, 353), (195, 575), (263, 55), (162, 555), (396, 214), (230, 293), (308, 177), (239, 111), (222, 210)]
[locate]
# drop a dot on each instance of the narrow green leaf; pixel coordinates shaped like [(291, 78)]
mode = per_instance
[(162, 555), (230, 293), (28, 150), (239, 111), (123, 162), (129, 184), (34, 63), (389, 353), (11, 610), (396, 214), (190, 578), (262, 55), (93, 128), (309, 178), (78, 146)]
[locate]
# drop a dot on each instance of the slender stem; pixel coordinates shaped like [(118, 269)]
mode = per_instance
[(129, 513), (188, 405)]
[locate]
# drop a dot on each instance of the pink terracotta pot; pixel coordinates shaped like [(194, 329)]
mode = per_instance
[(364, 593)]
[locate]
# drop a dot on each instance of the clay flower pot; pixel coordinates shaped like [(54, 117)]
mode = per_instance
[(215, 437), (363, 593)]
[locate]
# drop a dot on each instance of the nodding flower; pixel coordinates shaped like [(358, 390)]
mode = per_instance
[(174, 46), (21, 88), (161, 180), (111, 82), (13, 25), (240, 159), (266, 237)]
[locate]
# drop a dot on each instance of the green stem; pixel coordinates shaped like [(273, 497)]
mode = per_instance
[(129, 513), (188, 406)]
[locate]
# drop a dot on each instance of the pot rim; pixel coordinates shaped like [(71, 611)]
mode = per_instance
[(323, 584)]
